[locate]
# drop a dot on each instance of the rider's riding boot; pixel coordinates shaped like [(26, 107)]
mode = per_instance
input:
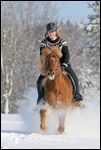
[(77, 96), (40, 88)]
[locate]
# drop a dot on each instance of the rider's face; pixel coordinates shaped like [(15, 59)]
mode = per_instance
[(52, 35)]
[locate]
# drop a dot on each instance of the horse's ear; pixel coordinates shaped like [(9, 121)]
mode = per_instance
[(46, 51)]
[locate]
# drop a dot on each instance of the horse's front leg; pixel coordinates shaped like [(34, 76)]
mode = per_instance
[(43, 119), (61, 127)]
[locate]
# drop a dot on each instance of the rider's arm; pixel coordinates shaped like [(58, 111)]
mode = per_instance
[(43, 44), (66, 57)]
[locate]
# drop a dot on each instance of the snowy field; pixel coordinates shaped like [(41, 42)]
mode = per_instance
[(82, 127)]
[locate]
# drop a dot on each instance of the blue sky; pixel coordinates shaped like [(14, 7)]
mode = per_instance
[(74, 10)]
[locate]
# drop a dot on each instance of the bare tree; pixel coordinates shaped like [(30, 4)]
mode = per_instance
[(2, 65), (22, 29), (8, 89)]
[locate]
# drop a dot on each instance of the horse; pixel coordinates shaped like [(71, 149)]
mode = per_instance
[(58, 89)]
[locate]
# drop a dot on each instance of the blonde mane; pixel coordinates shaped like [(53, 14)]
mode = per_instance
[(52, 50)]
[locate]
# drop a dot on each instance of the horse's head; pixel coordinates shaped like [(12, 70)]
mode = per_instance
[(52, 62)]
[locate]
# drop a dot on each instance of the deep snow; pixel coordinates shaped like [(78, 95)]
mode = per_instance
[(82, 127)]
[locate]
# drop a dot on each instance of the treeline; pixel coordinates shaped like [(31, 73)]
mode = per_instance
[(22, 29)]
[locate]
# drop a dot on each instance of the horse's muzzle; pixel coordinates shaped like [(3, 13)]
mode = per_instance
[(51, 75)]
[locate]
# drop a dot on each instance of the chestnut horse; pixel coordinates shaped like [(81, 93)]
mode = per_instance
[(58, 89)]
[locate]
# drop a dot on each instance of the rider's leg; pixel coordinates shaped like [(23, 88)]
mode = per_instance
[(40, 88), (77, 95)]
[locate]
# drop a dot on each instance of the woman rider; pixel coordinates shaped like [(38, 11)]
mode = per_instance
[(53, 39)]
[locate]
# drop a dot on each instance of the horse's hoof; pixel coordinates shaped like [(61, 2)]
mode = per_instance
[(61, 129), (43, 127)]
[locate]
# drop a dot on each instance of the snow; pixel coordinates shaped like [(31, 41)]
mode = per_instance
[(82, 126)]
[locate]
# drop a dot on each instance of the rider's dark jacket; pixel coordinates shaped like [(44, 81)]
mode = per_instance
[(62, 44)]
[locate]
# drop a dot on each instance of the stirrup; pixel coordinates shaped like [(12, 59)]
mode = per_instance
[(79, 104)]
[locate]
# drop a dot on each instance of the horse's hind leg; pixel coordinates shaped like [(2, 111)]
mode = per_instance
[(61, 123), (43, 119)]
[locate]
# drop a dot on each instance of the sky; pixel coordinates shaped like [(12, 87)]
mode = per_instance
[(77, 11)]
